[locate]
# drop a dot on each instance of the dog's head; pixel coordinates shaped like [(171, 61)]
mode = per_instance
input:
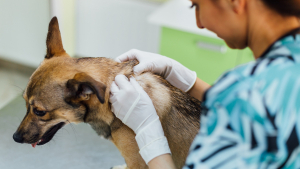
[(57, 94)]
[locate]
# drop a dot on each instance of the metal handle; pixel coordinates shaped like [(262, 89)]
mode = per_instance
[(212, 47)]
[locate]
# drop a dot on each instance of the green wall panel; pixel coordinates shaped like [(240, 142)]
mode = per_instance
[(207, 60)]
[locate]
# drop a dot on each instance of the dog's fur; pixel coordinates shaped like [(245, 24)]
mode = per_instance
[(72, 90)]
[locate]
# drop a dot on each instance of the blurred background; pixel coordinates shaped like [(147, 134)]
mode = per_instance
[(94, 28)]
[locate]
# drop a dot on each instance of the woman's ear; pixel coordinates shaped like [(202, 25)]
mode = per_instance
[(238, 6)]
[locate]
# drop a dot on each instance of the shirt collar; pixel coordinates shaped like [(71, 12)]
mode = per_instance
[(293, 33)]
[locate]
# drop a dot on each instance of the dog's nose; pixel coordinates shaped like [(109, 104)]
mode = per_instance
[(18, 137)]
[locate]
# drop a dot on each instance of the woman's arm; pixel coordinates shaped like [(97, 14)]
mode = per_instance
[(164, 161), (198, 89)]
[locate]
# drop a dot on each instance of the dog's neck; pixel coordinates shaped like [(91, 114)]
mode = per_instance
[(98, 115)]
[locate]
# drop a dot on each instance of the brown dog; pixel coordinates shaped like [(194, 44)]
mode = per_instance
[(69, 90)]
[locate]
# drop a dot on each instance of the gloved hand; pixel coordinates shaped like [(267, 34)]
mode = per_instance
[(132, 105), (174, 72)]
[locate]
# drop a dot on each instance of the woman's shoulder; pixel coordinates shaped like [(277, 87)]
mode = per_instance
[(279, 65), (262, 79)]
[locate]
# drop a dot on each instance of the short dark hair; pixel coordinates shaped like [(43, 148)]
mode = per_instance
[(284, 7)]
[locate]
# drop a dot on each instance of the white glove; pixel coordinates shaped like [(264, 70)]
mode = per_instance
[(131, 104), (174, 72)]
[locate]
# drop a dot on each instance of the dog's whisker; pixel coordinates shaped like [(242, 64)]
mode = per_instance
[(65, 130), (73, 129), (19, 120), (22, 90), (15, 126), (54, 141)]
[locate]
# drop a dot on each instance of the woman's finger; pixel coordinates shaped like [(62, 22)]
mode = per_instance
[(122, 82), (135, 84), (130, 55), (114, 88)]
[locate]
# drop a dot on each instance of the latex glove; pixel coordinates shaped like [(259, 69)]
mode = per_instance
[(132, 105), (174, 72)]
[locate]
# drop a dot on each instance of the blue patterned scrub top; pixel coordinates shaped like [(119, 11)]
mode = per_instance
[(253, 114)]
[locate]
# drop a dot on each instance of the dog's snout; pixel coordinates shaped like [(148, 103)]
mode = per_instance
[(18, 137)]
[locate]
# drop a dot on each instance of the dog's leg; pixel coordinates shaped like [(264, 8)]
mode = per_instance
[(124, 139)]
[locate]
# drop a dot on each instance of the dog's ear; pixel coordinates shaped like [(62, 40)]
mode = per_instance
[(54, 42), (82, 86)]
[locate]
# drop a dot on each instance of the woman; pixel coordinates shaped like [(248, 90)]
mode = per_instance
[(252, 118)]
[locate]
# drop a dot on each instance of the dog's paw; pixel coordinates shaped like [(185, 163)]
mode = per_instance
[(120, 167)]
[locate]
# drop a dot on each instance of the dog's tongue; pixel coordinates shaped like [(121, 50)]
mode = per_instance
[(34, 144)]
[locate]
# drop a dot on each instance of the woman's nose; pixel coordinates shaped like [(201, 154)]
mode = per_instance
[(199, 24)]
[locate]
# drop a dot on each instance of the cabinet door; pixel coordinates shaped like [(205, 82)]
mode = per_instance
[(209, 57), (23, 30), (108, 28)]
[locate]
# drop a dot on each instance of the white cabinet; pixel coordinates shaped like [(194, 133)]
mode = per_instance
[(107, 28), (23, 30)]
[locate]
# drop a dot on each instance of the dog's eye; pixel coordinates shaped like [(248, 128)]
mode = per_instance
[(39, 113)]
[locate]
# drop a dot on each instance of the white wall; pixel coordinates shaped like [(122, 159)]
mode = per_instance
[(103, 28), (64, 10), (23, 30), (108, 28)]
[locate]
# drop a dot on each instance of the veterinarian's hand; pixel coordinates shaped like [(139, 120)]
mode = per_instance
[(132, 105), (174, 72)]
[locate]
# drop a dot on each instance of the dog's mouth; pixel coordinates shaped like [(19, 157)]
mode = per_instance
[(49, 134)]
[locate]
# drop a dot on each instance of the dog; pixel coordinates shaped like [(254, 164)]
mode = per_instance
[(65, 90)]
